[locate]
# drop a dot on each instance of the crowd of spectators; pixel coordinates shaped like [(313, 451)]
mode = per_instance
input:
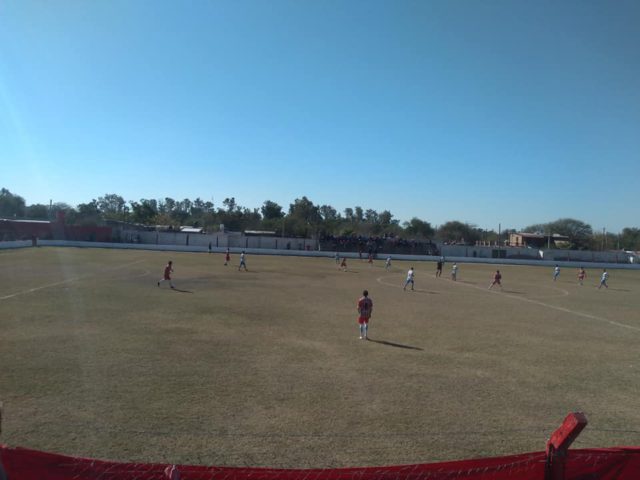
[(388, 244)]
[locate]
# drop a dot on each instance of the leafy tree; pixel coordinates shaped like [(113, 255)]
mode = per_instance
[(371, 216), (88, 213), (271, 210), (230, 204), (418, 228), (459, 232), (304, 217), (359, 214), (328, 213), (385, 218), (330, 220), (167, 206), (11, 206), (144, 211), (111, 206), (349, 215), (536, 228), (37, 211), (630, 239), (578, 232)]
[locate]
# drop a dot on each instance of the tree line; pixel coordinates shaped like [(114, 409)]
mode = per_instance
[(303, 218)]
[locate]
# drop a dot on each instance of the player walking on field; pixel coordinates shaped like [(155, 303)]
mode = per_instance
[(439, 268), (497, 279), (556, 273), (343, 264), (227, 257), (581, 275), (387, 263), (365, 307), (168, 270), (410, 274), (603, 279), (454, 272), (242, 262)]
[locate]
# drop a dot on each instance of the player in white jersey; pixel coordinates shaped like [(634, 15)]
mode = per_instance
[(556, 273), (454, 272), (409, 280), (387, 263), (243, 264), (603, 279)]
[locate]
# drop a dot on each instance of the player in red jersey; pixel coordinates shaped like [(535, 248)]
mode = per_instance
[(168, 270), (343, 264), (227, 257), (497, 277), (581, 275), (365, 307)]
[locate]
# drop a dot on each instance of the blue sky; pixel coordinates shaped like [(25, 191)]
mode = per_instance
[(487, 112)]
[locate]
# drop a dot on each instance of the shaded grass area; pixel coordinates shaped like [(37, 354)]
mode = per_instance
[(265, 368)]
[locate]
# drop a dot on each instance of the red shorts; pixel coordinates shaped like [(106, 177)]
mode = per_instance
[(363, 320), (167, 277)]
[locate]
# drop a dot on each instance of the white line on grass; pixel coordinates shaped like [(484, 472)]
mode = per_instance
[(62, 282), (537, 302)]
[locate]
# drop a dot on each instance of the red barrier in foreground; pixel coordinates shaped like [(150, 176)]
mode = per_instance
[(557, 463)]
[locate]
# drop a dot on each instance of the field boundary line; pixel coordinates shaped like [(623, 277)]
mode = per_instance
[(62, 282)]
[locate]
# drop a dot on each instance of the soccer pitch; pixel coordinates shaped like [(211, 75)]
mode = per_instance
[(265, 368)]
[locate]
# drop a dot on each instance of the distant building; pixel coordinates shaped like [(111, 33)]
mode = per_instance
[(537, 240), (11, 229)]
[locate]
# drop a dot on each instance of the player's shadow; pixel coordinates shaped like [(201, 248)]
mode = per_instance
[(397, 345), (181, 291), (512, 291)]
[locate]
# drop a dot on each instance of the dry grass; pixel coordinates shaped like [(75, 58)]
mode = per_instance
[(265, 368)]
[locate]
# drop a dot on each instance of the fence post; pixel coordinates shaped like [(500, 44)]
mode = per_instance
[(559, 442)]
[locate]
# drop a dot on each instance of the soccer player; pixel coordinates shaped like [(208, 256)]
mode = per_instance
[(365, 307), (409, 280), (337, 257), (454, 272), (370, 260), (581, 275), (168, 270), (242, 262), (227, 258), (387, 263), (343, 264), (439, 268), (603, 279), (556, 272), (497, 277)]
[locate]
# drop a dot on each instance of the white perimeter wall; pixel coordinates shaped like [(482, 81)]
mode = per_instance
[(16, 244), (218, 240), (315, 253)]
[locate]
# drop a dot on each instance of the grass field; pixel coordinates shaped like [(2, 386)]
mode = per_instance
[(265, 368)]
